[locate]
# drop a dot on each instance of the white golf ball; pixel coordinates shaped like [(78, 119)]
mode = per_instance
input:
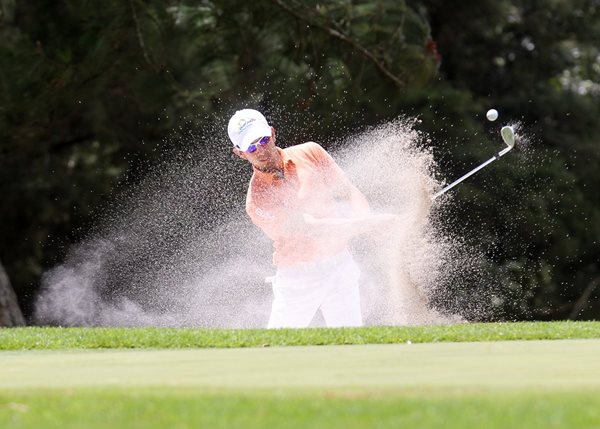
[(492, 114)]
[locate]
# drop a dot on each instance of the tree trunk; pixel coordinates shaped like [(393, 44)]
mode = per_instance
[(10, 313)]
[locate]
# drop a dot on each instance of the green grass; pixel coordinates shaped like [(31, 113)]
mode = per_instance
[(533, 384), (457, 376), (156, 408), (442, 367), (98, 338)]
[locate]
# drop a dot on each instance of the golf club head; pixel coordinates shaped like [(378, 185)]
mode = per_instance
[(508, 135)]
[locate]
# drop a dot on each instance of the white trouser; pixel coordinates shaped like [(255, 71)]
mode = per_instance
[(330, 285)]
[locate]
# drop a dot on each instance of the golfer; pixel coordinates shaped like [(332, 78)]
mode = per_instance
[(304, 202)]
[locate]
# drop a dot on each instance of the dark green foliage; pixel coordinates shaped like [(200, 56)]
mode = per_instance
[(92, 91), (539, 65)]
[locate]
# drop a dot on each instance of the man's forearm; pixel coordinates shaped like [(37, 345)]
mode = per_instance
[(345, 227)]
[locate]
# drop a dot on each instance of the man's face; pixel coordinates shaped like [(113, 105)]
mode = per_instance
[(265, 157)]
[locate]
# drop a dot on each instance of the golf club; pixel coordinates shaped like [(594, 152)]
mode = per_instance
[(508, 136)]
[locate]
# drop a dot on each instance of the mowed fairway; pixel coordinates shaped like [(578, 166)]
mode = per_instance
[(393, 368), (471, 384)]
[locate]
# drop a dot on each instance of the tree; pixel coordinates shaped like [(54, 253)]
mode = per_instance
[(540, 66), (10, 313), (90, 90)]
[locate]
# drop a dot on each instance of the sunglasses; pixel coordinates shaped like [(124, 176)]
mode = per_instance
[(263, 141)]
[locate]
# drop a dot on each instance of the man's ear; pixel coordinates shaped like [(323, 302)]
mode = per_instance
[(238, 152)]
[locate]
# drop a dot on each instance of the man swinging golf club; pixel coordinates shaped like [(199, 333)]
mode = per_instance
[(304, 202)]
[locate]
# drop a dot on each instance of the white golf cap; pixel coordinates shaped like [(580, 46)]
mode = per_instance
[(245, 126)]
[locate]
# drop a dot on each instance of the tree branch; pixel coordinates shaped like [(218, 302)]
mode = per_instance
[(338, 34), (140, 36), (158, 68)]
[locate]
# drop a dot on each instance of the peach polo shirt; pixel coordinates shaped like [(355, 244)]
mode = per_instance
[(312, 183)]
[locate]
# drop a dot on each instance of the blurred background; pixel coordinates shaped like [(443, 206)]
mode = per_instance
[(93, 94)]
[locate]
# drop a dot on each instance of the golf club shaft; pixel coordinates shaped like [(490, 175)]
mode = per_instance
[(470, 173), (508, 136)]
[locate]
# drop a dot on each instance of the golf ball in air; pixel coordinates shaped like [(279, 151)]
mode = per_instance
[(492, 114)]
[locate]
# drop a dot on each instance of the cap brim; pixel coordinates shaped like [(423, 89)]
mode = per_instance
[(255, 132)]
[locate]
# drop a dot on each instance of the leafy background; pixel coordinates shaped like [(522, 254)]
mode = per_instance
[(92, 91)]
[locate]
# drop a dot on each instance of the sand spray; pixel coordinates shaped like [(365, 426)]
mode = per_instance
[(177, 249)]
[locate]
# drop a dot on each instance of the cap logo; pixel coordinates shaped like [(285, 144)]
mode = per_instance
[(244, 124)]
